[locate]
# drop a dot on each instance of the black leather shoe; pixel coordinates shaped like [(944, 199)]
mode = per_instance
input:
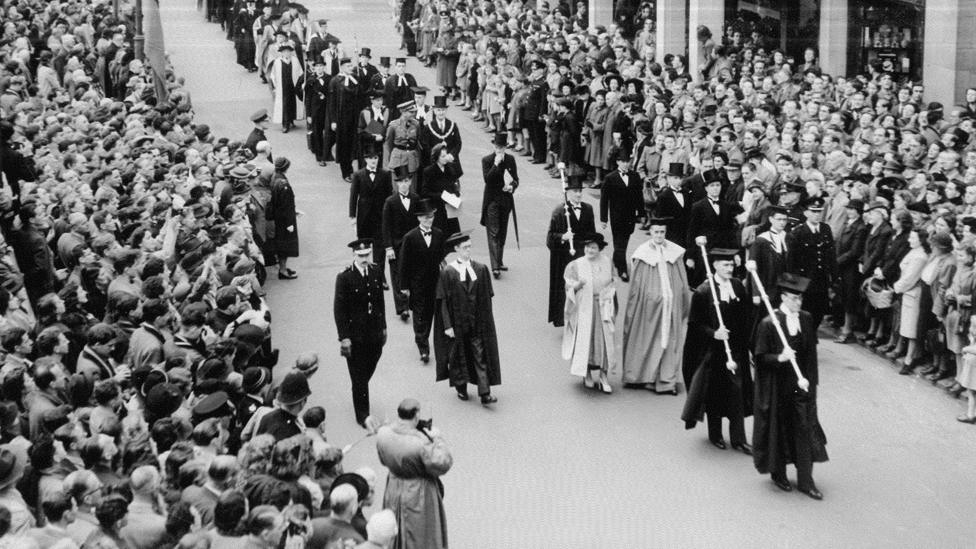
[(929, 371), (720, 444), (291, 275), (906, 370), (404, 316), (812, 492), (488, 399), (462, 394), (624, 277), (783, 484), (502, 268), (496, 273), (425, 357), (743, 447)]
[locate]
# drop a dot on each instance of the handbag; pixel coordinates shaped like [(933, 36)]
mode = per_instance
[(878, 293)]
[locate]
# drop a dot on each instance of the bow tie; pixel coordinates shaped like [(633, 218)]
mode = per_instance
[(425, 233), (403, 196), (372, 172)]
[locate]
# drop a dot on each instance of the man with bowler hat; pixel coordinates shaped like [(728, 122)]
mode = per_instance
[(360, 317), (418, 262), (501, 180), (398, 219)]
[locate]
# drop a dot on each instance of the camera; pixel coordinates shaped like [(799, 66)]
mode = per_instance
[(425, 424)]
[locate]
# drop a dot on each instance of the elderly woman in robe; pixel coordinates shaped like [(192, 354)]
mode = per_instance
[(591, 307)]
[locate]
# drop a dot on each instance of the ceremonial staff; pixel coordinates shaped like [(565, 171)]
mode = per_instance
[(730, 362), (569, 228), (801, 381)]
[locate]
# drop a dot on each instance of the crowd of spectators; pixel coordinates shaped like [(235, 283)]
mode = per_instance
[(888, 162)]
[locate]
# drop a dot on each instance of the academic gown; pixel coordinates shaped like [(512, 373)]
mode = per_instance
[(466, 309), (711, 386), (560, 256), (785, 417), (287, 79), (436, 181), (654, 328)]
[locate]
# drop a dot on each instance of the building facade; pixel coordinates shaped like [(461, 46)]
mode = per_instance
[(933, 41)]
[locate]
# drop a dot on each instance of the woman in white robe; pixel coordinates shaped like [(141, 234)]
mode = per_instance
[(589, 314)]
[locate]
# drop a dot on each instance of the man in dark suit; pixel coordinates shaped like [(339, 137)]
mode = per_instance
[(364, 73), (260, 121), (341, 109), (315, 89), (398, 87), (621, 198), (713, 219), (501, 180), (674, 203), (360, 317), (569, 223), (419, 262), (815, 257), (695, 183), (370, 187), (397, 222)]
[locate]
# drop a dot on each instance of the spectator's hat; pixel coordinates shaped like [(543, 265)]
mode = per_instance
[(457, 238), (814, 204), (877, 205), (293, 388), (163, 400), (214, 368), (795, 186), (791, 283), (362, 246), (440, 101), (216, 404), (240, 172), (255, 379), (281, 163), (385, 62), (941, 241), (402, 172), (734, 164), (962, 136), (260, 116), (676, 169), (594, 238), (893, 165), (423, 208), (756, 184), (659, 221), (709, 109), (644, 127), (855, 204), (12, 466)]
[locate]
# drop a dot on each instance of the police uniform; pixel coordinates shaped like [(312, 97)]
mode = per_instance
[(814, 256), (360, 317)]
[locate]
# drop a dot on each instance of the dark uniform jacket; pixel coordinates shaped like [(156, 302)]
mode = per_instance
[(394, 93), (359, 306), (814, 256)]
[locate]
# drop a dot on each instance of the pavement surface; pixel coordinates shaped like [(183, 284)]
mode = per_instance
[(555, 465)]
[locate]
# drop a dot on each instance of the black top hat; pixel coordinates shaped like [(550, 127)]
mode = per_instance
[(711, 176), (440, 101), (500, 140), (791, 283), (623, 155), (722, 254), (371, 150), (384, 61), (400, 60), (294, 388), (574, 183), (676, 169), (594, 238), (401, 172), (422, 208), (366, 52), (361, 245), (457, 238)]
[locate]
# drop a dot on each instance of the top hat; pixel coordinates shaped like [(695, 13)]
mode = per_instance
[(440, 102), (500, 140), (422, 208), (574, 183), (722, 254), (366, 52), (676, 169), (385, 62), (401, 172)]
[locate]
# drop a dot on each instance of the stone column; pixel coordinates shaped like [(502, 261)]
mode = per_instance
[(710, 13), (671, 37), (949, 51), (834, 21), (600, 12)]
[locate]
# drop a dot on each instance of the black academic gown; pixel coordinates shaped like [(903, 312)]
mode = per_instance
[(394, 93), (560, 256), (465, 307), (435, 182), (711, 386), (785, 417)]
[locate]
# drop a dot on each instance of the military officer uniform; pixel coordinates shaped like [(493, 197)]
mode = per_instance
[(360, 317), (814, 256), (401, 141)]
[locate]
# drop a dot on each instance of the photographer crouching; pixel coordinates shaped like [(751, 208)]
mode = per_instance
[(416, 455)]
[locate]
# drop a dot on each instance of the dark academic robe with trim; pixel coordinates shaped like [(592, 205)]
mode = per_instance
[(785, 416), (467, 309), (711, 386)]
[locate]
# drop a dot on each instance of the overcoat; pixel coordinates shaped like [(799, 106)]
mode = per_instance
[(281, 210)]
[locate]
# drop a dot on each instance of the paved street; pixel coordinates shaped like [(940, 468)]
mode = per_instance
[(553, 465)]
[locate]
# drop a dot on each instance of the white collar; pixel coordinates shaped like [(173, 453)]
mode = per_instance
[(647, 252), (464, 270)]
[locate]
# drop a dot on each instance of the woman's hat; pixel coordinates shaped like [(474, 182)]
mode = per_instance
[(941, 240), (11, 466), (255, 378), (594, 238), (281, 163)]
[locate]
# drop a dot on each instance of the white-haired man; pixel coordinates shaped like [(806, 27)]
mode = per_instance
[(381, 531)]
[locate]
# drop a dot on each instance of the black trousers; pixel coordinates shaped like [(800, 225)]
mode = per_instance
[(473, 349), (345, 148), (423, 317), (795, 419), (816, 303), (316, 135), (737, 428), (362, 364), (400, 301), (620, 241), (379, 257), (496, 223), (537, 134)]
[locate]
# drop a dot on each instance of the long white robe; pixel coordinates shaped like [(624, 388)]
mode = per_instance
[(579, 325)]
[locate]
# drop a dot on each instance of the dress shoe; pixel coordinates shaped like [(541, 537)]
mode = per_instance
[(812, 493), (589, 382), (929, 371), (906, 370), (843, 338), (425, 357), (323, 163), (624, 277), (496, 273), (404, 316), (502, 268), (783, 484), (605, 387), (290, 275), (673, 392), (885, 349), (634, 386), (347, 179), (462, 394), (488, 399), (743, 447), (895, 354), (940, 375), (956, 391), (966, 419), (720, 444)]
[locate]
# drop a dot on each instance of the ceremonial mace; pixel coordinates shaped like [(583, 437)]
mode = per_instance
[(730, 362), (801, 381), (569, 228)]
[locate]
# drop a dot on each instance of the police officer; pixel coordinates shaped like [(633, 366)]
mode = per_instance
[(814, 256), (360, 317)]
